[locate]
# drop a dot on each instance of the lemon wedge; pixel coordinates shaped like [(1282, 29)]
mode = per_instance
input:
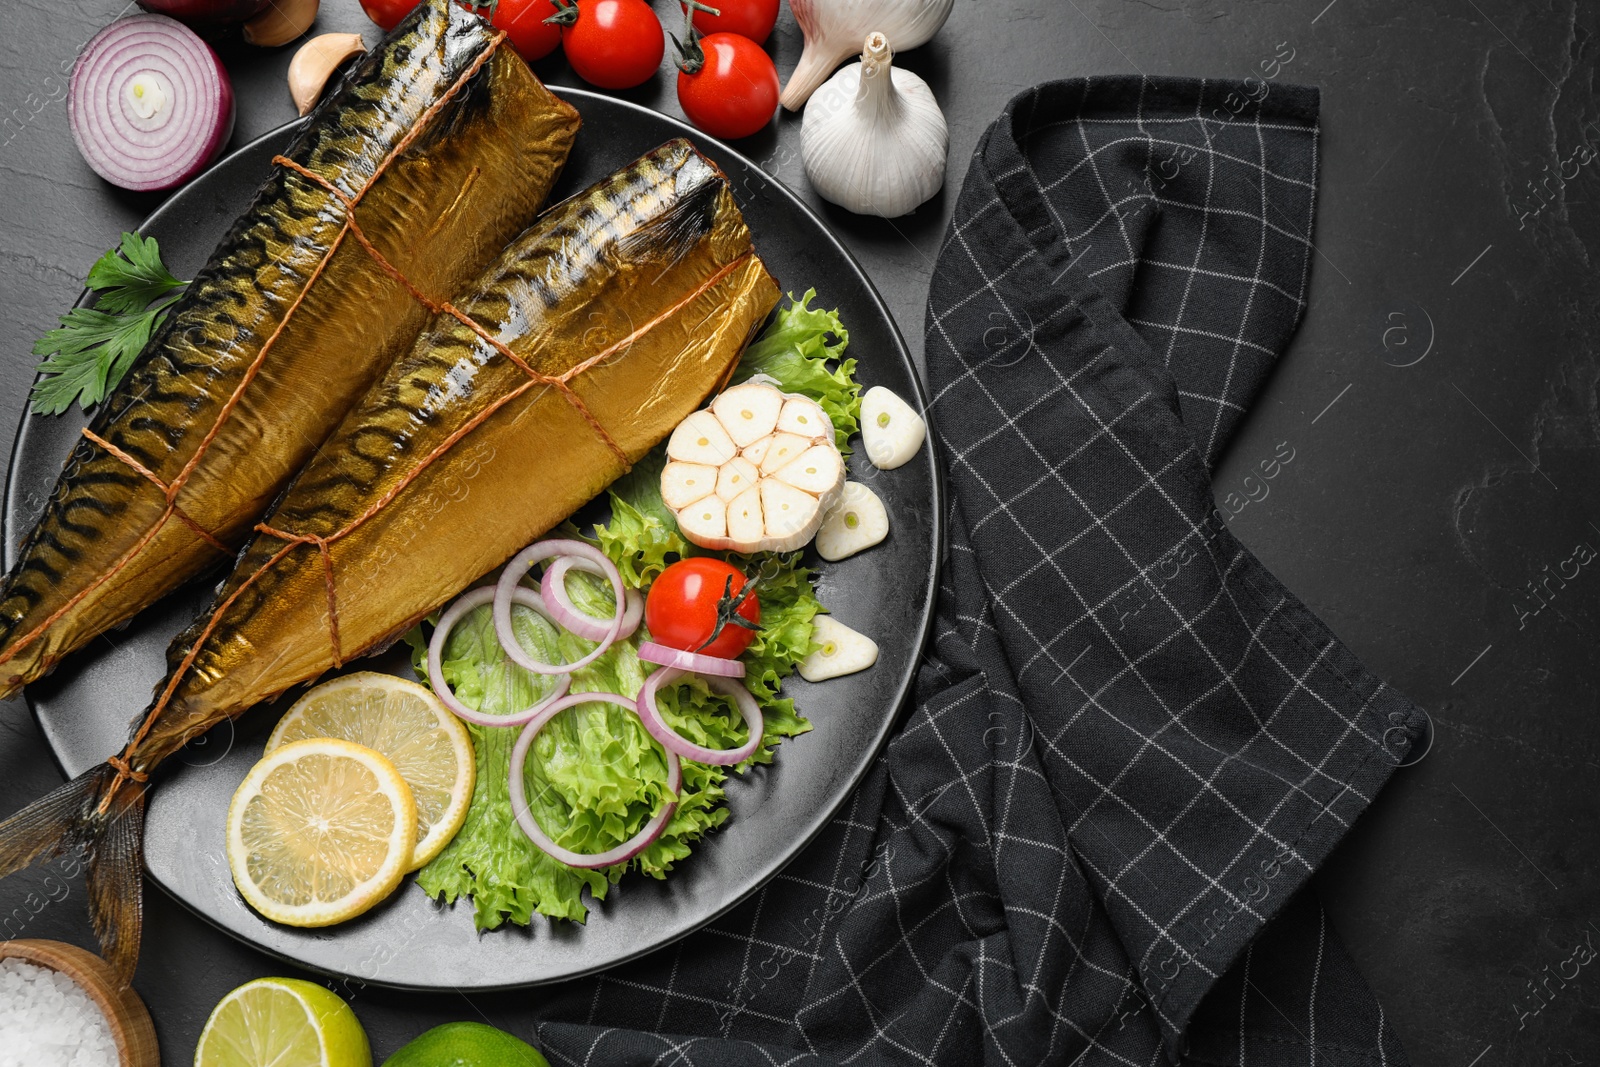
[(428, 746), (319, 831), (272, 1022)]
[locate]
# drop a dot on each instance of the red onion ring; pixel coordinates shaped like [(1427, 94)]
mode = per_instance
[(693, 662), (476, 598), (512, 575), (519, 796), (553, 588), (676, 743), (187, 129)]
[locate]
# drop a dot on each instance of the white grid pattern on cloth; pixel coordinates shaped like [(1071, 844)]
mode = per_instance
[(1013, 880)]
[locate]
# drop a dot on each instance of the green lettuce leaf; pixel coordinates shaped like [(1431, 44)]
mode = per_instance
[(795, 351)]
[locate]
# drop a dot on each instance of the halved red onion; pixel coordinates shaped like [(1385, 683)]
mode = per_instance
[(694, 662), (150, 104), (512, 575), (675, 742), (477, 598), (519, 796), (553, 587)]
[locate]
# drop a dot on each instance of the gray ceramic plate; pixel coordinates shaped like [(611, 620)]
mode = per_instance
[(409, 941)]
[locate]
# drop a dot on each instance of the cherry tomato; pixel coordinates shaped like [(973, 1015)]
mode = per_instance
[(524, 22), (734, 93), (615, 44), (681, 610), (748, 18), (387, 13)]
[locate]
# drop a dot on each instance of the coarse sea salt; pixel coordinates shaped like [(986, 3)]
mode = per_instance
[(47, 1021)]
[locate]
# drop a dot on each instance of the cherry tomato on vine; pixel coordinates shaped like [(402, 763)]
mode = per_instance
[(525, 26), (727, 85), (387, 13), (681, 610), (748, 18), (615, 44)]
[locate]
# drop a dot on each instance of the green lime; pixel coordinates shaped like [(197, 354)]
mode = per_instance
[(282, 1021), (467, 1045)]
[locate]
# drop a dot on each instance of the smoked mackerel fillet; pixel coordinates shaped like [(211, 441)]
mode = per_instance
[(447, 145), (580, 348)]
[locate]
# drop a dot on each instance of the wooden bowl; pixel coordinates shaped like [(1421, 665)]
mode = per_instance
[(131, 1028)]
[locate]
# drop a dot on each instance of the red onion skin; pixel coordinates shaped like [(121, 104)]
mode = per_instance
[(207, 14), (96, 132)]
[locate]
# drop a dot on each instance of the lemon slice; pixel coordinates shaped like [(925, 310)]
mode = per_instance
[(282, 1021), (319, 831), (428, 746)]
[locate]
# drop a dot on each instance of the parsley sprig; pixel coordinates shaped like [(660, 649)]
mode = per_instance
[(94, 346)]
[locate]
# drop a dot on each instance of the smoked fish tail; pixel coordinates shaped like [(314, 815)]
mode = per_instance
[(102, 814), (443, 145)]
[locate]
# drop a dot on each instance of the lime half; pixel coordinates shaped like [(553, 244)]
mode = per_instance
[(467, 1045), (282, 1022)]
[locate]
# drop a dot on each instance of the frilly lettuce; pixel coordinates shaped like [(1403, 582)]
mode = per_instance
[(795, 351)]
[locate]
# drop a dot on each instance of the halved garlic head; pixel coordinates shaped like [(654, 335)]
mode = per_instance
[(890, 430), (754, 472), (856, 523), (839, 650)]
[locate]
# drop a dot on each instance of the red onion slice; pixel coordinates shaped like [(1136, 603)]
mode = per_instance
[(694, 662), (512, 575), (150, 104), (477, 598), (675, 742), (519, 796), (553, 588)]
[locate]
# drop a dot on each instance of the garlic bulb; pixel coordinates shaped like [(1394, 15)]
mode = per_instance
[(874, 140), (832, 28)]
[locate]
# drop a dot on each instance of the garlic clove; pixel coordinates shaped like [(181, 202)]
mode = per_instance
[(281, 22), (315, 63), (804, 418), (891, 431), (745, 526), (757, 451), (748, 411), (838, 650), (782, 450), (737, 475), (684, 483), (705, 522), (791, 514), (874, 140), (817, 470), (700, 438), (833, 30), (856, 523)]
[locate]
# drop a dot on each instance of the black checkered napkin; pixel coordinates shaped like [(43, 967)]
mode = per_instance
[(1132, 745)]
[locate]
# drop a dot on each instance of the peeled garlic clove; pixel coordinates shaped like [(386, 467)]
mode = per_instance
[(705, 522), (745, 526), (748, 411), (874, 140), (856, 523), (756, 451), (803, 417), (782, 448), (839, 650), (684, 483), (700, 438), (281, 22), (891, 431), (817, 470), (315, 63), (736, 475)]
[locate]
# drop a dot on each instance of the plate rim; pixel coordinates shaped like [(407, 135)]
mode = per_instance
[(821, 818)]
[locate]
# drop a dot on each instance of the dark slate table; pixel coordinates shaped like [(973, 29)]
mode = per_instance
[(1440, 401)]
